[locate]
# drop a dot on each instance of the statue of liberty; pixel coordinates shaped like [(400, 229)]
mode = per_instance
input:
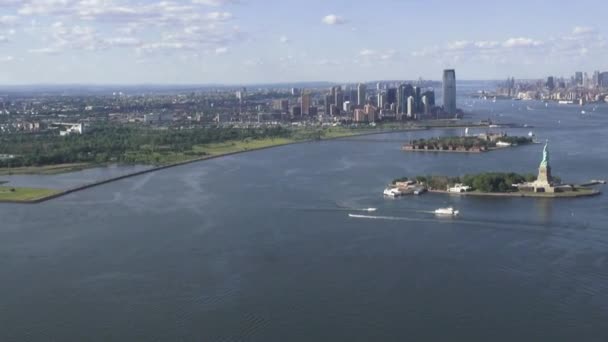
[(545, 161)]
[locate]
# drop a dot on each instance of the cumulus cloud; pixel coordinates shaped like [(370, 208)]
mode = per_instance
[(333, 19), (521, 42), (580, 42), (153, 25)]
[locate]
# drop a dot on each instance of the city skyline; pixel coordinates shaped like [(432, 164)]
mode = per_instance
[(248, 41)]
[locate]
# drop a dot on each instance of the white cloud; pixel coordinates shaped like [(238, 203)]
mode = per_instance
[(521, 42), (219, 16), (221, 50), (367, 52), (582, 42), (333, 19), (6, 59), (45, 51), (583, 30), (284, 39)]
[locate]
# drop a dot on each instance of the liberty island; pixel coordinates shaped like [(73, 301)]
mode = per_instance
[(496, 184)]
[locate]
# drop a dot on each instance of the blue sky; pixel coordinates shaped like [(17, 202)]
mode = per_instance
[(263, 41)]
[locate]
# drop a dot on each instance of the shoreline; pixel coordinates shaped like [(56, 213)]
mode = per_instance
[(573, 194), (62, 193)]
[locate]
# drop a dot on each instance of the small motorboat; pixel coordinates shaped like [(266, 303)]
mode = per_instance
[(447, 212)]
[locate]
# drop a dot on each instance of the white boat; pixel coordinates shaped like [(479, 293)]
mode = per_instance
[(390, 192), (531, 134), (371, 209), (447, 212), (583, 112)]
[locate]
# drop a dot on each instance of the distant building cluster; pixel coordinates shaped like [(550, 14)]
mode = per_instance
[(579, 88), (304, 104), (362, 103)]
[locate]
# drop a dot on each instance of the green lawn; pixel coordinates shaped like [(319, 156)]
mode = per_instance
[(217, 149), (44, 170), (24, 194)]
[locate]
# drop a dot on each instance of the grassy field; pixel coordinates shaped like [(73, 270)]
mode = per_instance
[(217, 149), (159, 157), (44, 170), (23, 194)]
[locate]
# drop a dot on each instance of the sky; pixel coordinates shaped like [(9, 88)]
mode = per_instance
[(271, 41)]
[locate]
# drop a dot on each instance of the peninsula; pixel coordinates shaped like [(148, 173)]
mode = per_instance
[(497, 184)]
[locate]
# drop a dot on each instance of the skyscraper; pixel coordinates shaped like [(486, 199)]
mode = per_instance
[(361, 93), (391, 95), (328, 104), (449, 91), (550, 83), (410, 107), (306, 103), (578, 78), (339, 97)]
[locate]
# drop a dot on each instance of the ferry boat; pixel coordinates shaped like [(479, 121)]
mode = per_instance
[(391, 192), (447, 212)]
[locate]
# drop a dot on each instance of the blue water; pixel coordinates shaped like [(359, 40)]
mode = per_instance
[(260, 247)]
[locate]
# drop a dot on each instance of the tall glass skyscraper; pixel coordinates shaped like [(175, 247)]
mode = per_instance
[(449, 91)]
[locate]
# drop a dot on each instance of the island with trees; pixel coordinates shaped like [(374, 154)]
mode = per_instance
[(466, 144), (491, 184)]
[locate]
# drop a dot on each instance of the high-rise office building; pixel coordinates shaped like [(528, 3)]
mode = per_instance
[(328, 104), (410, 107), (391, 95), (381, 100), (361, 94), (353, 96), (449, 91), (603, 79), (578, 78), (426, 107), (306, 103), (550, 83), (596, 79), (338, 97), (401, 100)]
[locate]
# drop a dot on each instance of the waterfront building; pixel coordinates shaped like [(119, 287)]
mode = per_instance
[(339, 97), (449, 91), (296, 111), (603, 79), (360, 115), (353, 96), (306, 103), (411, 107), (578, 78), (361, 93), (550, 83), (313, 111), (426, 108), (391, 95), (328, 103), (280, 105), (401, 100), (381, 100), (347, 106)]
